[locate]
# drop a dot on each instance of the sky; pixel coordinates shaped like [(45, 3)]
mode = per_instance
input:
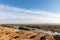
[(29, 11)]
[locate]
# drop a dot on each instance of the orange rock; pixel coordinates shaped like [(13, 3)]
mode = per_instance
[(49, 37), (12, 34), (38, 36)]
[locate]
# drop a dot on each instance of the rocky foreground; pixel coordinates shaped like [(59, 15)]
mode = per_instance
[(12, 34)]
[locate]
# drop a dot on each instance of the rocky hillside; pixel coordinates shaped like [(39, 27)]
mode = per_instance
[(13, 34)]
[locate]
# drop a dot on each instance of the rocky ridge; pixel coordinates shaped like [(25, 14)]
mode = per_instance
[(13, 34)]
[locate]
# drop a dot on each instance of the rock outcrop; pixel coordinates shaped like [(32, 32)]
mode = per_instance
[(13, 34)]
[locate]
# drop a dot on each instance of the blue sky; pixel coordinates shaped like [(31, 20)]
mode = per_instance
[(46, 5), (29, 11)]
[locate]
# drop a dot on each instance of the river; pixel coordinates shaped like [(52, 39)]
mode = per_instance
[(40, 30)]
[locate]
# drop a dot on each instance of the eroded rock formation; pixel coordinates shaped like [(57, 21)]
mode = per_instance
[(12, 34)]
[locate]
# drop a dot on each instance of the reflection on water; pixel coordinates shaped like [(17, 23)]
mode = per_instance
[(47, 32)]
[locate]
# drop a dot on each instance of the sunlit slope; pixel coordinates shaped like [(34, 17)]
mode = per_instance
[(12, 34)]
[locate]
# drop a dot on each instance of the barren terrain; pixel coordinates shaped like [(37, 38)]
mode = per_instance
[(13, 34)]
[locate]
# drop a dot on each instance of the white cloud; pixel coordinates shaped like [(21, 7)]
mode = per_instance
[(9, 14)]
